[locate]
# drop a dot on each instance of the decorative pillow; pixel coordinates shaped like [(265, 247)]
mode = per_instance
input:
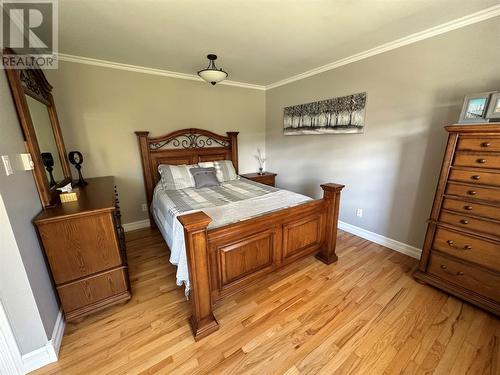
[(224, 169), (204, 177), (175, 177)]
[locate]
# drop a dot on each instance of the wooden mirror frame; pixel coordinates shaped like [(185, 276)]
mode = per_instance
[(32, 82)]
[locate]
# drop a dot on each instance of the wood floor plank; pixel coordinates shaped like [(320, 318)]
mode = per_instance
[(363, 315)]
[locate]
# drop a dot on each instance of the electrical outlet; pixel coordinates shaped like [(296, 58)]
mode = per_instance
[(144, 207), (359, 212), (6, 165)]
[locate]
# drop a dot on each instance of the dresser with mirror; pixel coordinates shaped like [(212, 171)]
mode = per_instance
[(83, 240)]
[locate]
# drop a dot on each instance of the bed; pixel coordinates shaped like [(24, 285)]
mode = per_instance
[(222, 248)]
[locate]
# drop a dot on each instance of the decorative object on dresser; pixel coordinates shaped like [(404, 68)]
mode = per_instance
[(224, 260), (266, 178), (76, 158), (493, 112), (40, 126), (85, 247), (475, 108), (345, 114), (461, 253)]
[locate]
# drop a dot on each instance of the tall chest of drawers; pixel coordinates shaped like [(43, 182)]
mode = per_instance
[(85, 248), (461, 253)]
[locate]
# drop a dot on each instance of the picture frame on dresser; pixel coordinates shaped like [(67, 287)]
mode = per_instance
[(475, 107), (493, 112)]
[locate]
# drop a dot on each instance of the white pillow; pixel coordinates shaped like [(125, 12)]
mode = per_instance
[(224, 169), (175, 177)]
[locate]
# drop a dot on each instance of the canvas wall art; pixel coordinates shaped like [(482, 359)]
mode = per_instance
[(345, 114)]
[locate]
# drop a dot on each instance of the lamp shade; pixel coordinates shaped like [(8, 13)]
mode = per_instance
[(212, 76)]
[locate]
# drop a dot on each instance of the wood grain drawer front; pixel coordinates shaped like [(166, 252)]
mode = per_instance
[(479, 144), (470, 223), (93, 289), (491, 194), (266, 180), (475, 177), (460, 245), (478, 160), (241, 260), (80, 246), (468, 208), (301, 237), (467, 276)]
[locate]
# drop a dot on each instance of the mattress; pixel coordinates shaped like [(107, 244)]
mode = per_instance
[(231, 202)]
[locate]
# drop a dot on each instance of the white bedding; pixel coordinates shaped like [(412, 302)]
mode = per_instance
[(173, 233)]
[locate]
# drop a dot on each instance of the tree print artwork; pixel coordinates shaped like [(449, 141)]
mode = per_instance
[(345, 114)]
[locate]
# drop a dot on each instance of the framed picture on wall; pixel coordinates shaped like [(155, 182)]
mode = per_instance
[(493, 112), (475, 107)]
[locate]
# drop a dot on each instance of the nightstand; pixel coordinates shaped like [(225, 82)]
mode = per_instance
[(268, 178)]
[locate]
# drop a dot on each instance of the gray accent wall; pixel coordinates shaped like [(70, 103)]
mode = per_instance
[(25, 286), (391, 170)]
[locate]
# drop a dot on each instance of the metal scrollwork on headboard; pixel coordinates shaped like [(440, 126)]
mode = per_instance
[(189, 141)]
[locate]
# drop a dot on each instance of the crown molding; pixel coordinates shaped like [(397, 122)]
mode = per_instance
[(458, 23), (146, 70)]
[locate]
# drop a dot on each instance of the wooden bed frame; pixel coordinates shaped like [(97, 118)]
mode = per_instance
[(224, 260)]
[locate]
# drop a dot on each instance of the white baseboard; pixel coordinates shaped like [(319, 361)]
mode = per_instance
[(381, 240), (48, 353), (136, 225)]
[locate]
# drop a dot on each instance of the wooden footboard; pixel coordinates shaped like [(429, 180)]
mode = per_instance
[(224, 260)]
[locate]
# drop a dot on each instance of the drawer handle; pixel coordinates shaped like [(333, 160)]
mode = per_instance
[(451, 243), (467, 247), (443, 267), (468, 208), (481, 161), (463, 221), (460, 273), (471, 192), (476, 177), (485, 144)]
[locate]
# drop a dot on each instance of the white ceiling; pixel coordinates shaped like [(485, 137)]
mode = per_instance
[(257, 41)]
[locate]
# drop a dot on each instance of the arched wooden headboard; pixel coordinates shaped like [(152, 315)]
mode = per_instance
[(185, 146)]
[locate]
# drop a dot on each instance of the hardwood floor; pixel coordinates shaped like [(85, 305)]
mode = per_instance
[(363, 315)]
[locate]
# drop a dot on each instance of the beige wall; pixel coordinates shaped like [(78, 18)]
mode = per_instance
[(100, 108), (391, 170)]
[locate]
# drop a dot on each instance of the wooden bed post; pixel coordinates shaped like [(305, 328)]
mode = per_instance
[(331, 195), (233, 136), (195, 226), (142, 137)]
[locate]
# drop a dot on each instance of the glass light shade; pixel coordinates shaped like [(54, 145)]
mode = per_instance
[(212, 75)]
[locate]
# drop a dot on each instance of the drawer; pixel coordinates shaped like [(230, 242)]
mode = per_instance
[(478, 144), (469, 208), (472, 249), (81, 246), (93, 289), (478, 160), (477, 176), (468, 276), (491, 194), (470, 223)]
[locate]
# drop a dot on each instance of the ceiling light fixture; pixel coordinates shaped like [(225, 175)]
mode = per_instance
[(211, 73)]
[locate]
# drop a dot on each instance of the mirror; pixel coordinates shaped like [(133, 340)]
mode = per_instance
[(46, 141), (42, 135)]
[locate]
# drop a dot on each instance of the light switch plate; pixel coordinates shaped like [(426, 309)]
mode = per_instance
[(7, 166), (28, 164)]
